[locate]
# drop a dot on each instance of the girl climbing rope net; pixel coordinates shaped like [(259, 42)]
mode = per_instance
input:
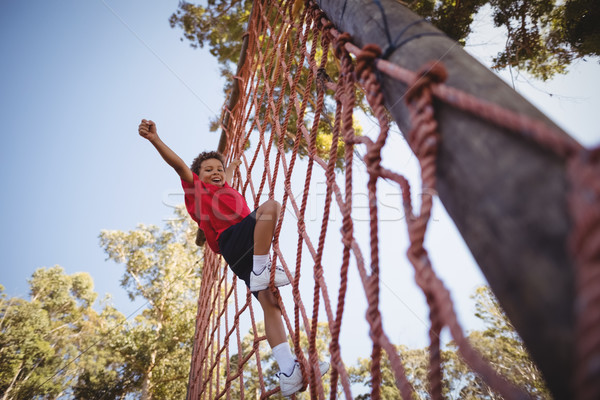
[(242, 237)]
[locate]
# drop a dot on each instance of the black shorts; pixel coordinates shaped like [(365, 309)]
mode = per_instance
[(237, 247)]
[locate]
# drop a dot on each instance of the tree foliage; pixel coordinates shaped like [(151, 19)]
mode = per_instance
[(47, 341), (498, 343), (56, 345), (578, 26), (543, 36), (220, 25), (452, 17), (162, 267)]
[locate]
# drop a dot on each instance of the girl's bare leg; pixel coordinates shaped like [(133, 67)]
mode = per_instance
[(266, 221), (274, 328)]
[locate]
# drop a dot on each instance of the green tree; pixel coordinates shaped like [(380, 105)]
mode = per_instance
[(577, 24), (56, 345), (46, 341), (498, 343), (533, 42), (452, 17), (103, 375), (543, 37), (162, 266), (25, 353), (220, 26)]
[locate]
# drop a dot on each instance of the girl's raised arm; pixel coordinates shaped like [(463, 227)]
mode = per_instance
[(147, 130)]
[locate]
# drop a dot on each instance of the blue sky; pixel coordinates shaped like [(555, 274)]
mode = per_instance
[(76, 78)]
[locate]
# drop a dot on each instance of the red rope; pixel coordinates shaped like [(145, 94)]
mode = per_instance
[(584, 202), (286, 54)]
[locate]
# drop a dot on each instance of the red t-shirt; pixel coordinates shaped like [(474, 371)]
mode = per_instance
[(214, 208)]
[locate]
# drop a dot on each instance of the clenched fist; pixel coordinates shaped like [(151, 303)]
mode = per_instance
[(147, 130)]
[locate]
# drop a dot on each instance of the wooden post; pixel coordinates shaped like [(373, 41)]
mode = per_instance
[(235, 92), (507, 196)]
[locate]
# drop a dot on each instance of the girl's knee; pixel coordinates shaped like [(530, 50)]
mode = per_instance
[(269, 207), (272, 204), (267, 300)]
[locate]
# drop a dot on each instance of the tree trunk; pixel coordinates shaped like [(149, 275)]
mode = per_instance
[(147, 384), (146, 394), (507, 196), (12, 382)]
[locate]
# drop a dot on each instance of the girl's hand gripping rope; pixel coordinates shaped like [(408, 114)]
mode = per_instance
[(231, 170)]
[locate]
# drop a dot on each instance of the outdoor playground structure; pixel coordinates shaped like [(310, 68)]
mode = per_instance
[(544, 264)]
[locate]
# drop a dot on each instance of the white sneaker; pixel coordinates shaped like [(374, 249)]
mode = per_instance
[(323, 367), (261, 281), (292, 383)]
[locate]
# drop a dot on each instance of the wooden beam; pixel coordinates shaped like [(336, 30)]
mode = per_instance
[(507, 196), (234, 96)]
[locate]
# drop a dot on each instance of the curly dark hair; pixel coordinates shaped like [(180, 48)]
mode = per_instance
[(207, 155)]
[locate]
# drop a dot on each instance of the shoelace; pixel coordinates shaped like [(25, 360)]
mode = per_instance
[(278, 374), (268, 266)]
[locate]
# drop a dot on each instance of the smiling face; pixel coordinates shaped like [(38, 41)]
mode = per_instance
[(212, 171)]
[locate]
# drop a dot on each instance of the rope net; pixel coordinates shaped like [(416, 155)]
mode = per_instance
[(295, 59)]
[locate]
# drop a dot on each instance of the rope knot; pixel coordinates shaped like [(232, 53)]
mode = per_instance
[(322, 79), (328, 25), (317, 15), (431, 73), (423, 137), (340, 49), (365, 60), (373, 159)]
